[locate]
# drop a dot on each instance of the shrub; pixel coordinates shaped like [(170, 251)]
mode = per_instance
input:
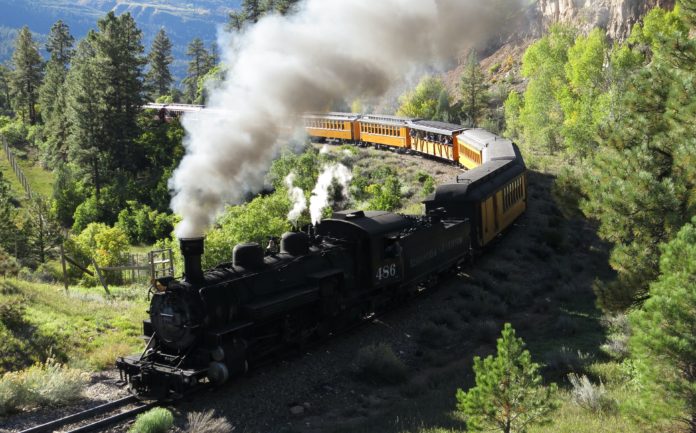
[(106, 245), (379, 363), (51, 384), (591, 397), (142, 224), (566, 360), (157, 420), (207, 422)]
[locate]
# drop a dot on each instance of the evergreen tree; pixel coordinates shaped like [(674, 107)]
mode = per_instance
[(5, 101), (8, 228), (199, 65), (159, 78), (60, 43), (40, 231), (104, 98), (87, 149), (474, 92), (26, 76), (509, 395), (253, 10), (640, 185), (285, 7), (664, 332), (52, 94)]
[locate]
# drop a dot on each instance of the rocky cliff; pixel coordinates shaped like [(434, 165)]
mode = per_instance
[(617, 17)]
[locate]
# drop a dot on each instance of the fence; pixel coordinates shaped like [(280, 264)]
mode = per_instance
[(15, 167), (136, 268)]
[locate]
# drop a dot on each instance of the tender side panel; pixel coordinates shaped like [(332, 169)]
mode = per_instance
[(469, 156), (502, 209)]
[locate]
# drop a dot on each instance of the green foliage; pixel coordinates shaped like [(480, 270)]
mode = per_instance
[(386, 196), (305, 167), (44, 384), (157, 420), (67, 196), (255, 221), (423, 101), (85, 214), (664, 332), (25, 79), (509, 395), (378, 363), (543, 64), (142, 224)]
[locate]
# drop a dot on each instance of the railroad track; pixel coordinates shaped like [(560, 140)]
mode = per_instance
[(107, 408)]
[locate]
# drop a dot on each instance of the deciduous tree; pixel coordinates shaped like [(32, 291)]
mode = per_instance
[(422, 102)]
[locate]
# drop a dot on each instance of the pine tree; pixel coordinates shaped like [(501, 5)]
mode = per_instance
[(640, 185), (442, 112), (8, 229), (5, 102), (87, 149), (474, 92), (664, 332), (509, 395), (159, 78), (199, 65), (26, 76), (253, 10), (285, 7), (104, 98), (52, 94)]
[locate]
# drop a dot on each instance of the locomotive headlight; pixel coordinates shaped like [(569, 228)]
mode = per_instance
[(159, 286)]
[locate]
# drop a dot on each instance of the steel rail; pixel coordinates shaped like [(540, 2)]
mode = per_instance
[(79, 416)]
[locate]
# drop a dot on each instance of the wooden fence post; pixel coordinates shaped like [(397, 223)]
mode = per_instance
[(99, 275), (65, 270)]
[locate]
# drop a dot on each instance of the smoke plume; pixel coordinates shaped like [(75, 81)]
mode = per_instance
[(329, 51), (320, 194), (297, 197)]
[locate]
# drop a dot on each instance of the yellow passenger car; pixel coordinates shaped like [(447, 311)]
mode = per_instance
[(472, 145), (436, 139), (341, 127), (385, 131)]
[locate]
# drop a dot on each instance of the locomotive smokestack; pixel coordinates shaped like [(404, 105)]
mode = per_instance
[(192, 249)]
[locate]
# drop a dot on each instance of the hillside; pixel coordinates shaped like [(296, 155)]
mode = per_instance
[(183, 20)]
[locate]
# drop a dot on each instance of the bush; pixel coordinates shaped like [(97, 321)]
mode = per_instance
[(108, 246), (86, 213), (157, 420), (378, 363), (48, 384), (207, 422), (591, 397), (143, 225)]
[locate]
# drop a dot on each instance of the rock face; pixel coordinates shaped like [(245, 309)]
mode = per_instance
[(617, 17)]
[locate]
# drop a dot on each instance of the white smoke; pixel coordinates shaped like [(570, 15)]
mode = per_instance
[(324, 149), (297, 197), (320, 194), (330, 51)]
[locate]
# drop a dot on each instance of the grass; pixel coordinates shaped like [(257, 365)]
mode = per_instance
[(82, 328), (40, 179), (47, 384), (207, 422), (157, 420)]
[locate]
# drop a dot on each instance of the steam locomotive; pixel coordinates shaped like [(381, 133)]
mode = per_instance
[(210, 325)]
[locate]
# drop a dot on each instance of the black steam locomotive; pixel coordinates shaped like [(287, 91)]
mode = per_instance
[(211, 325)]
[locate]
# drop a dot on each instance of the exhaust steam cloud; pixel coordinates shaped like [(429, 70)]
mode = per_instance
[(282, 67)]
